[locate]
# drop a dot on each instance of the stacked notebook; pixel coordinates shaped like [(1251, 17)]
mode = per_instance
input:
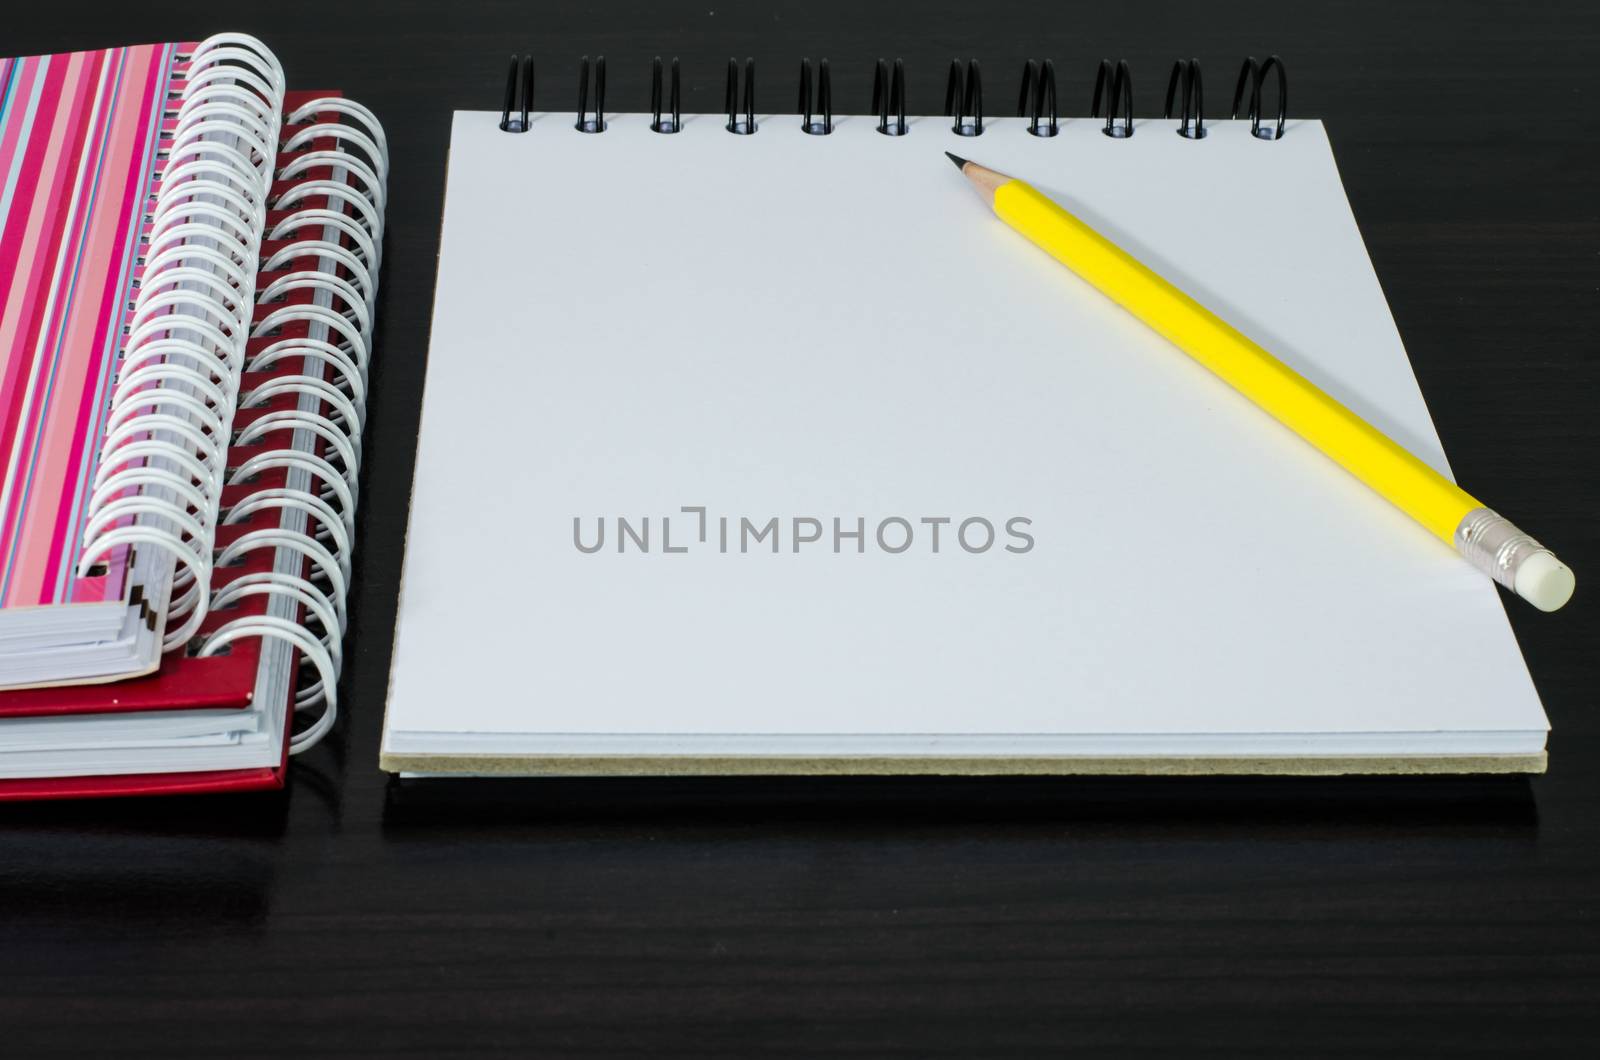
[(189, 256), (816, 468)]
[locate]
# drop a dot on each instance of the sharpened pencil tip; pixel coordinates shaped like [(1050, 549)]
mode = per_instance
[(957, 159)]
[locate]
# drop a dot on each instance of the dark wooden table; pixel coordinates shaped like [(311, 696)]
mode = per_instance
[(923, 917)]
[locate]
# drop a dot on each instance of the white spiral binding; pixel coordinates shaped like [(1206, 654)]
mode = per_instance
[(161, 470), (323, 448)]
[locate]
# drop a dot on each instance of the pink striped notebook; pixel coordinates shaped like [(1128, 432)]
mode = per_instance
[(79, 166)]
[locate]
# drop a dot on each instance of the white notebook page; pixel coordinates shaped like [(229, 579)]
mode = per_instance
[(790, 326)]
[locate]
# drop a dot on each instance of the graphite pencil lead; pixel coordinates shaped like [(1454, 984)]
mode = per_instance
[(957, 159)]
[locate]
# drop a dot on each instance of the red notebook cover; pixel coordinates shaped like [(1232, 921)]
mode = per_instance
[(185, 682)]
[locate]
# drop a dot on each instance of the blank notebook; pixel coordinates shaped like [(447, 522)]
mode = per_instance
[(777, 453)]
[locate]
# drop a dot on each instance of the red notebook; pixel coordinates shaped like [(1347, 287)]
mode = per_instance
[(284, 504)]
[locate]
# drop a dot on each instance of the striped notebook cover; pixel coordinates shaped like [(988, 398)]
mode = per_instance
[(78, 159), (183, 681)]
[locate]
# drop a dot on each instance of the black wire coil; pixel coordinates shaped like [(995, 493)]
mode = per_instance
[(1251, 75), (597, 124), (745, 125), (672, 121), (1114, 88), (1186, 77), (889, 98), (963, 99), (519, 95), (816, 112), (1037, 100)]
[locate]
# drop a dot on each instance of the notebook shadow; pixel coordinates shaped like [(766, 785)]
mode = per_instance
[(150, 862), (874, 807)]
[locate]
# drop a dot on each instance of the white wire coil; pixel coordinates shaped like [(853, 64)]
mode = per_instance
[(317, 442), (160, 476)]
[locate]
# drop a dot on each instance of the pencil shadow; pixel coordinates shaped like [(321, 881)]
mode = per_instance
[(1239, 315)]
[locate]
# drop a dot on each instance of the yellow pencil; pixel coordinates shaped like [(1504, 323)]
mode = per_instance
[(1487, 539)]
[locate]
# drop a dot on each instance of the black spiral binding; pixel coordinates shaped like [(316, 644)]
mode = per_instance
[(745, 126), (1037, 100), (1115, 89), (673, 121), (821, 105), (963, 99), (1186, 76), (1112, 103), (889, 98), (1251, 75), (597, 124), (519, 95)]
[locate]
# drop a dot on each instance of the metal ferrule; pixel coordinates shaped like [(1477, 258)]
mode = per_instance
[(1494, 545)]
